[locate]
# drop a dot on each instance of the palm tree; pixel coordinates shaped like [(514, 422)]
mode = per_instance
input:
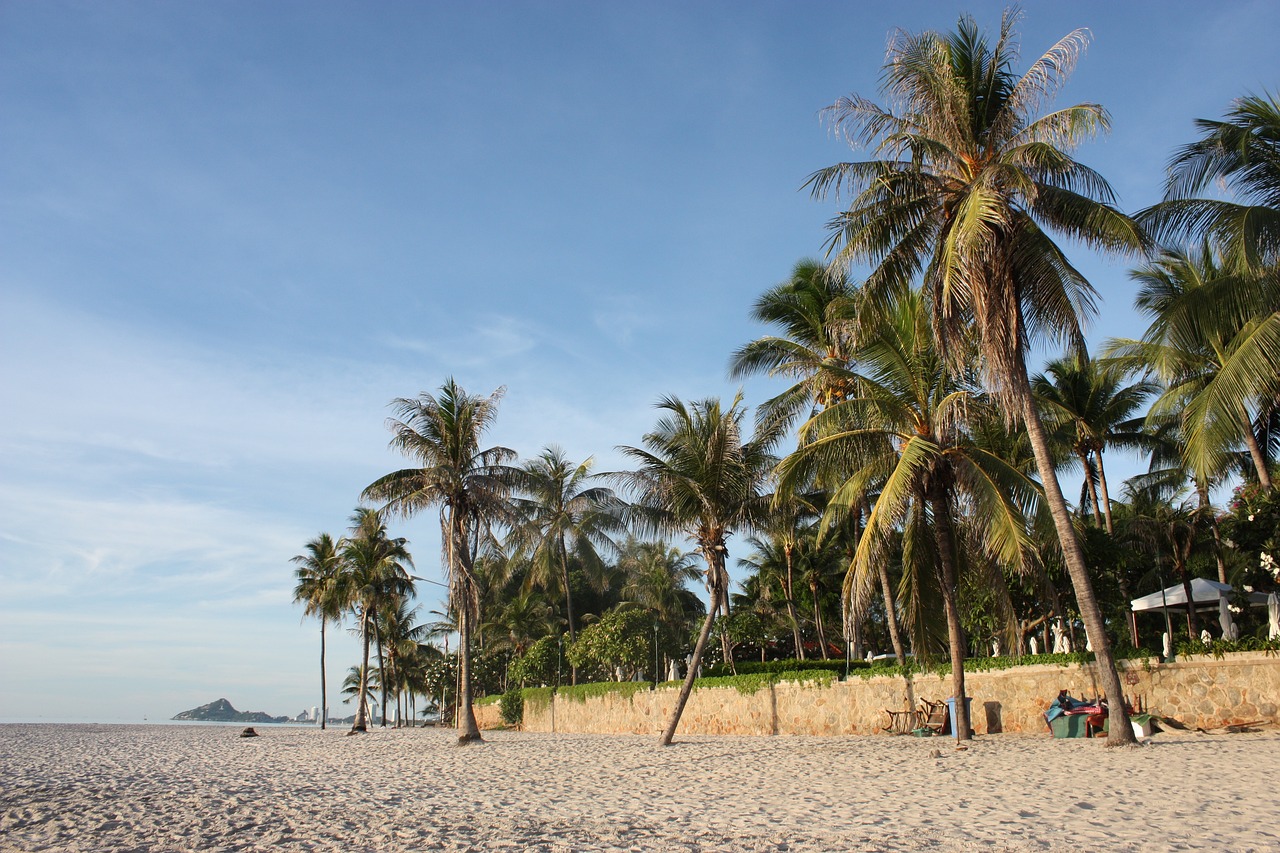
[(905, 426), (968, 179), (1241, 154), (402, 637), (469, 484), (772, 563), (816, 309), (657, 578), (559, 514), (320, 577), (376, 579), (817, 312), (1188, 348), (698, 477), (1096, 410)]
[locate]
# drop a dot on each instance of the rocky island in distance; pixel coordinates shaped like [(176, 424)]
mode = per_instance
[(221, 711)]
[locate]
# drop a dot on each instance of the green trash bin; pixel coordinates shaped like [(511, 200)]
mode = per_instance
[(1069, 725)]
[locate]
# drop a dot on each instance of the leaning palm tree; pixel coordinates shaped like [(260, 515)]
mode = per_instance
[(375, 579), (320, 590), (698, 477), (967, 182), (560, 513), (468, 483)]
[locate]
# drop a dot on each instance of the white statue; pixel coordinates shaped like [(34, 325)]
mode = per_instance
[(1206, 637), (1167, 645), (995, 647), (1035, 646)]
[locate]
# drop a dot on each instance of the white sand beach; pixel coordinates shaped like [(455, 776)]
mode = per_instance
[(118, 787)]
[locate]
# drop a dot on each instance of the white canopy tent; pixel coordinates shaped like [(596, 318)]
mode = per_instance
[(1205, 594)]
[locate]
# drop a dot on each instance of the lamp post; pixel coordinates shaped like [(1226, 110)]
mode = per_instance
[(655, 650)]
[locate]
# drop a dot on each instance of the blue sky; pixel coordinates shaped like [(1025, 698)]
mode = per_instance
[(231, 232)]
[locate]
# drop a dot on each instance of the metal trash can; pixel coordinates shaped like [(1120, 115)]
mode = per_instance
[(951, 713)]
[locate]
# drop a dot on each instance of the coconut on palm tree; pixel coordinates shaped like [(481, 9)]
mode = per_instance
[(699, 477), (968, 179), (319, 589), (469, 484)]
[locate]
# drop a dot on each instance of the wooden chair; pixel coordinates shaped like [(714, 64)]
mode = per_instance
[(900, 722), (933, 716)]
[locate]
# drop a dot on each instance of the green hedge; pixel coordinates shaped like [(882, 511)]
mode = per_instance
[(754, 667), (580, 692)]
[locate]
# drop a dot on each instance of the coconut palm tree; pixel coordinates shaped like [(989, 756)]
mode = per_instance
[(700, 478), (376, 579), (469, 484), (968, 181), (1242, 154), (816, 312), (1188, 347), (560, 514), (319, 589), (1094, 409), (815, 309), (657, 579), (402, 636), (905, 426), (1242, 237)]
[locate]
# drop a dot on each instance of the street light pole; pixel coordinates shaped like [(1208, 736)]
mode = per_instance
[(655, 651)]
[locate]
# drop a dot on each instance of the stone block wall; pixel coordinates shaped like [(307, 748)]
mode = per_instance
[(1200, 692)]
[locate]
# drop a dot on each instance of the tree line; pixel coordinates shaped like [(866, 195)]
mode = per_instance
[(902, 491)]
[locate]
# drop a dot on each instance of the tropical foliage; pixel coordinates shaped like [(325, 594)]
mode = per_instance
[(898, 497)]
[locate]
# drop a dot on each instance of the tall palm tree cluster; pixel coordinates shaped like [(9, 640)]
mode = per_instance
[(901, 493)]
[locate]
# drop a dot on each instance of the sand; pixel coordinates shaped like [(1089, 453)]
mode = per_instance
[(115, 788)]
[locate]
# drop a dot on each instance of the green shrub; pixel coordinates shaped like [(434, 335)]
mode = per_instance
[(537, 697), (753, 667), (512, 707), (580, 692), (486, 700)]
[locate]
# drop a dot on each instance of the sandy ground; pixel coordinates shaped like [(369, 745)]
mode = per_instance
[(119, 788)]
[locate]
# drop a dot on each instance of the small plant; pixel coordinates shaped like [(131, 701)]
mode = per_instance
[(511, 706)]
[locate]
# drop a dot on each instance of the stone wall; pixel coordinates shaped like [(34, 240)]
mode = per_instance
[(1200, 692)]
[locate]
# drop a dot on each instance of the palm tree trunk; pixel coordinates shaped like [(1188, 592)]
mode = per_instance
[(817, 621), (895, 638), (1255, 451), (1106, 495), (791, 601), (568, 605), (382, 669), (324, 691), (470, 730), (1119, 730), (361, 723), (690, 676), (1091, 486), (942, 533)]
